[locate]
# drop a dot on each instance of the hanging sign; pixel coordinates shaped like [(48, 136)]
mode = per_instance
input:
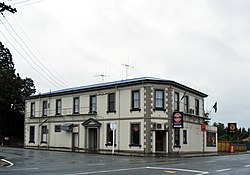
[(178, 120), (232, 128), (203, 127)]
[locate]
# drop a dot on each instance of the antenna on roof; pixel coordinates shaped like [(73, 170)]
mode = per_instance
[(127, 66), (102, 76)]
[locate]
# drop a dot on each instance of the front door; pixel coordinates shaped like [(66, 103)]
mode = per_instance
[(92, 138), (159, 141)]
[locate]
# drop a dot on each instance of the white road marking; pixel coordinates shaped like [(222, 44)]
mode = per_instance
[(96, 164), (227, 169), (247, 166), (211, 161), (24, 169), (11, 164), (178, 169), (178, 164), (141, 168), (109, 171)]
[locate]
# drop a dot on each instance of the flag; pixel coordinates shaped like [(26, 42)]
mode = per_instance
[(183, 95), (215, 107)]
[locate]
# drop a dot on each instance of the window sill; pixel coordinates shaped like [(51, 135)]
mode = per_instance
[(177, 146), (109, 144), (159, 109), (110, 112), (135, 109), (31, 141), (134, 145)]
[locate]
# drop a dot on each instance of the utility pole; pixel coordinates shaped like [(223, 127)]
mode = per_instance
[(4, 7)]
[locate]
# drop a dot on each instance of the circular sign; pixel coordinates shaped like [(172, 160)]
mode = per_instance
[(177, 117)]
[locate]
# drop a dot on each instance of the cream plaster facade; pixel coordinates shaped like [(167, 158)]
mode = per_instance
[(141, 128)]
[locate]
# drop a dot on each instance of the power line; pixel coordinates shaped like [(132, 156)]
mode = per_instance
[(47, 62), (54, 83), (35, 55), (26, 59)]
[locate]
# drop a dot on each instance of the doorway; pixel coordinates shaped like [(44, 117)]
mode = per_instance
[(160, 141), (92, 138)]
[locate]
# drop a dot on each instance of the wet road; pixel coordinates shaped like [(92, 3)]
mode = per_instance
[(28, 161)]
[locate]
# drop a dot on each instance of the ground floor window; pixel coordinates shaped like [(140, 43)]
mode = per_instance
[(44, 133), (57, 128), (184, 136), (211, 139), (109, 136), (177, 137), (32, 134), (135, 134)]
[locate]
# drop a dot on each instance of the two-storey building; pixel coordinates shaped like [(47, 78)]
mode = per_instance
[(79, 118)]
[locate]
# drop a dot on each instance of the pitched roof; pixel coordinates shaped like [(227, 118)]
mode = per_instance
[(119, 83)]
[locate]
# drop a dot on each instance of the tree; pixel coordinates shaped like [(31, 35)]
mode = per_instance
[(13, 91)]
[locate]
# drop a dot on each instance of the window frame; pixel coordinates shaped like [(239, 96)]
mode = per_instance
[(134, 143), (109, 136), (32, 109), (186, 104), (197, 107), (44, 131), (57, 128), (159, 100), (58, 107), (76, 106), (185, 137), (176, 101), (45, 108), (32, 134), (135, 100), (92, 104), (111, 103), (176, 137)]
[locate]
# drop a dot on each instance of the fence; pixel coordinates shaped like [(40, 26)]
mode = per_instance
[(224, 146)]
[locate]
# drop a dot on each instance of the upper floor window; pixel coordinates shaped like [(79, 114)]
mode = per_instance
[(159, 99), (32, 110), (136, 100), (176, 101), (111, 102), (186, 104), (92, 105), (45, 108), (76, 105), (58, 106), (197, 107)]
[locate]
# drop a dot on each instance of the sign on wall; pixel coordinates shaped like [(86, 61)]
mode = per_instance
[(232, 128), (178, 120), (211, 139)]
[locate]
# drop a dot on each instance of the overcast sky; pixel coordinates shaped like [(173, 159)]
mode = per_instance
[(203, 44)]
